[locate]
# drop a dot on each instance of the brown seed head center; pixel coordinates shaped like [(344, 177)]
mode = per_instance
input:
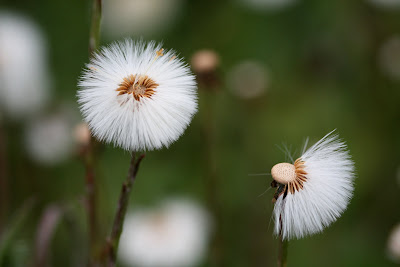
[(137, 85)]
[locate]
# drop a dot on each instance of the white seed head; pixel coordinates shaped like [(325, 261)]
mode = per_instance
[(137, 95), (320, 192), (283, 173)]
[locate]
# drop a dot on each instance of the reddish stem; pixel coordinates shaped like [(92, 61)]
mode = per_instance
[(113, 240)]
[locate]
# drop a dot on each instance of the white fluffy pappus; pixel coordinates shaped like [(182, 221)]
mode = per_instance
[(313, 191), (174, 235), (137, 95)]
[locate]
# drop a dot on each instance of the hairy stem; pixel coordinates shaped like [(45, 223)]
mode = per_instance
[(113, 239)]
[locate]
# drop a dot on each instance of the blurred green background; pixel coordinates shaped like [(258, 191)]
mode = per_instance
[(323, 69)]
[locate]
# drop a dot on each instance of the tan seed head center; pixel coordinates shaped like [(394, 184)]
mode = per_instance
[(139, 86), (283, 173), (293, 176)]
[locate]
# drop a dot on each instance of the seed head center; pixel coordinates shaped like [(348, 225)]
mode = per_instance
[(138, 89), (283, 173), (293, 176), (138, 86)]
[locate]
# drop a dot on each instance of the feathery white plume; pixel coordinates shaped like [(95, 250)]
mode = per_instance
[(315, 190), (137, 95)]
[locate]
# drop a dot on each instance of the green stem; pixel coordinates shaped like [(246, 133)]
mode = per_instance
[(95, 26), (113, 240)]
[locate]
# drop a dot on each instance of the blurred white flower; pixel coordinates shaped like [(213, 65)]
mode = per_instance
[(313, 191), (139, 17), (393, 244), (389, 58), (267, 5), (248, 79), (389, 4), (175, 235), (49, 140), (24, 77), (137, 95)]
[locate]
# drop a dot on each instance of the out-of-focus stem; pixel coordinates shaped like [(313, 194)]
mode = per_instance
[(3, 178), (91, 202), (205, 64), (113, 240), (208, 109), (95, 26), (282, 250), (47, 226), (15, 224), (94, 41)]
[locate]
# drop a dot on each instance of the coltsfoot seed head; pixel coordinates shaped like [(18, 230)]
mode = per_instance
[(313, 192), (137, 95)]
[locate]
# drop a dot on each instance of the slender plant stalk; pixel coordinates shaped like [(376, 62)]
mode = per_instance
[(113, 239), (48, 223), (94, 40), (91, 202), (209, 82), (95, 26), (208, 107), (3, 178), (15, 224), (282, 252)]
